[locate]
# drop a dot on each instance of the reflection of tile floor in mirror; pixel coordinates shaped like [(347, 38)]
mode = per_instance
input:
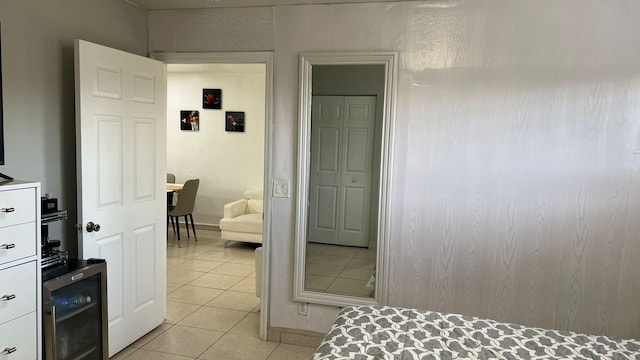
[(212, 309), (337, 269)]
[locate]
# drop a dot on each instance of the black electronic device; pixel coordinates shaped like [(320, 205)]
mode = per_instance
[(48, 205), (50, 254)]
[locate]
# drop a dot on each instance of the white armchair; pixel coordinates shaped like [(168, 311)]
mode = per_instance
[(242, 219)]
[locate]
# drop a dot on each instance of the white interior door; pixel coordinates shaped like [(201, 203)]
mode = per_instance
[(342, 136), (121, 156)]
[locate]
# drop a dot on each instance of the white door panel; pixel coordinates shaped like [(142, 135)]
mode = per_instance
[(359, 128), (326, 208), (108, 158), (121, 125), (111, 248), (354, 210), (342, 135), (324, 184)]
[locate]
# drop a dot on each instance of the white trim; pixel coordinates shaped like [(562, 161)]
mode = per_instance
[(307, 61), (259, 57)]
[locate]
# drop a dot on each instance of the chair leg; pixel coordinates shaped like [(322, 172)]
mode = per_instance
[(173, 226), (178, 229), (193, 226), (186, 224), (169, 220)]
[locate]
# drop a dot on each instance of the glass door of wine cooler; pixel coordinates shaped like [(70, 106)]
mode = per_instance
[(74, 301)]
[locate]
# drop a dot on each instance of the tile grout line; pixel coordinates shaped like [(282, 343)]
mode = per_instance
[(236, 258)]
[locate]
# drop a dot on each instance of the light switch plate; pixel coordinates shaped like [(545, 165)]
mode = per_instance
[(281, 188)]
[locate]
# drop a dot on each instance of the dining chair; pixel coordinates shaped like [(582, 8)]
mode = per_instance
[(171, 179), (184, 207)]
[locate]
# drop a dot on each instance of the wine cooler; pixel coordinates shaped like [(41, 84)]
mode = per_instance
[(75, 310)]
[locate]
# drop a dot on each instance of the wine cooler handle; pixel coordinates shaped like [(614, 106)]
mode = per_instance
[(54, 323)]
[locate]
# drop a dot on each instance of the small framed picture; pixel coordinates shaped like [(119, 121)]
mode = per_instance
[(212, 99), (190, 120), (234, 121)]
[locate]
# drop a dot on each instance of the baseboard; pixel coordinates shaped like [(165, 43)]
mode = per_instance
[(211, 227), (295, 337)]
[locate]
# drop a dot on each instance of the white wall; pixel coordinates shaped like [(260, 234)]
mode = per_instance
[(516, 191), (38, 86), (227, 163)]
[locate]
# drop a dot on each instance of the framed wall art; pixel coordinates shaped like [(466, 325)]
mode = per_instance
[(212, 99), (234, 121), (190, 120)]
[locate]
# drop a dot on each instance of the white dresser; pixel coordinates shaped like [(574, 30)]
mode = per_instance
[(20, 275)]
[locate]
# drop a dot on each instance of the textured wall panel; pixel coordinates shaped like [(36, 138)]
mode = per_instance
[(249, 29), (516, 191)]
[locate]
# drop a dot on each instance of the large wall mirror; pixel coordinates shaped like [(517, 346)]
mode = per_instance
[(347, 104)]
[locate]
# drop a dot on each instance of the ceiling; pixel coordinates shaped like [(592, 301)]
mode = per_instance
[(199, 4)]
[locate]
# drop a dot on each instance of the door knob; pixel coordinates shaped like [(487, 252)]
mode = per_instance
[(91, 227)]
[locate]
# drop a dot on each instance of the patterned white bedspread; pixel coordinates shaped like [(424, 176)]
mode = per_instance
[(380, 332)]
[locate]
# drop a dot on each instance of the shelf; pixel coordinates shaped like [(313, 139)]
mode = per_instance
[(56, 216), (78, 351), (85, 354), (76, 312)]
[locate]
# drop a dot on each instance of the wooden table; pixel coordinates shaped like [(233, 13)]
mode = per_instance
[(171, 189), (174, 187)]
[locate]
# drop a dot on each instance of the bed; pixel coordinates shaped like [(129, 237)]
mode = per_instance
[(381, 332)]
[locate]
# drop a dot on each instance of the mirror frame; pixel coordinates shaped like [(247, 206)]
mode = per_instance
[(307, 60)]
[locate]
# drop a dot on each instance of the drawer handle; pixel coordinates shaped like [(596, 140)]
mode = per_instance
[(10, 350), (8, 297), (7, 210), (7, 246)]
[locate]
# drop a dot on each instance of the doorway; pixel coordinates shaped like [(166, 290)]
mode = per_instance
[(263, 60), (340, 185), (228, 161)]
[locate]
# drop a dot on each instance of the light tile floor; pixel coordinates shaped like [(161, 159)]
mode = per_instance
[(212, 310), (339, 269)]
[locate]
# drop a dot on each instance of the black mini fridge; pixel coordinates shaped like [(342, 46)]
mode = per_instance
[(75, 311)]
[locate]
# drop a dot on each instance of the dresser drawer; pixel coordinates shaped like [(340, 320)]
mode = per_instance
[(17, 206), (17, 242), (18, 338), (17, 291)]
